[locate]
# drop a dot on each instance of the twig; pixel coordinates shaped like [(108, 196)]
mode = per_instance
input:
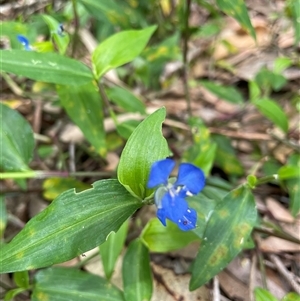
[(285, 273), (216, 289), (252, 276), (283, 235)]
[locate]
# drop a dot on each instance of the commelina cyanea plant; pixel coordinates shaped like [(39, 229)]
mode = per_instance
[(170, 197)]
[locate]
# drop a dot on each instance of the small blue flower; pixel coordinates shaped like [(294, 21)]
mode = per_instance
[(61, 30), (170, 197), (24, 41)]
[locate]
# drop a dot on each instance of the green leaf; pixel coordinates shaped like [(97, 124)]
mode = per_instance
[(159, 238), (145, 146), (288, 172), (254, 90), (126, 100), (226, 157), (62, 284), (227, 230), (119, 49), (126, 128), (272, 111), (83, 104), (71, 225), (111, 249), (263, 295), (21, 279), (202, 152), (61, 41), (281, 63), (291, 297), (3, 215), (13, 292), (295, 4), (45, 67), (136, 273), (293, 185), (16, 138), (230, 94), (237, 10)]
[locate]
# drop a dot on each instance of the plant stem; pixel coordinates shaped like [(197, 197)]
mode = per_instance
[(40, 174), (266, 179), (185, 36), (76, 27)]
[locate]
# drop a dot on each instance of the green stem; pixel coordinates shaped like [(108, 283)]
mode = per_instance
[(76, 27), (266, 179), (186, 36), (40, 174)]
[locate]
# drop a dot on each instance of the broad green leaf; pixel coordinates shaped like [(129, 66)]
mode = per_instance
[(237, 10), (71, 225), (294, 5), (263, 295), (230, 94), (83, 104), (21, 279), (291, 297), (216, 189), (226, 157), (227, 230), (3, 215), (53, 187), (266, 79), (111, 249), (288, 172), (126, 100), (159, 238), (119, 49), (272, 111), (16, 139), (145, 146), (45, 67), (61, 41), (204, 207), (136, 272), (61, 284)]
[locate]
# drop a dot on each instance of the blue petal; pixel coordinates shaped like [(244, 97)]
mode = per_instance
[(191, 177), (60, 30), (160, 171), (188, 221), (23, 40), (161, 214)]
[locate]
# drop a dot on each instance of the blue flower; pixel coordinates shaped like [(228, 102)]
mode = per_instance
[(24, 41), (60, 30), (170, 197)]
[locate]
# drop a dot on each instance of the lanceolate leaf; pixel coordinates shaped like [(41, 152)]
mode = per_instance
[(237, 10), (145, 146), (62, 284), (228, 228), (45, 67), (119, 49), (136, 273), (84, 106), (272, 111), (16, 139), (72, 224), (111, 249)]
